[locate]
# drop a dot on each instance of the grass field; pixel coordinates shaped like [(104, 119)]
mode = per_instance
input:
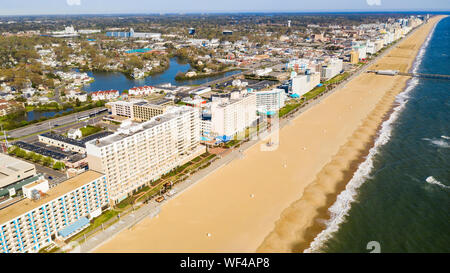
[(89, 130)]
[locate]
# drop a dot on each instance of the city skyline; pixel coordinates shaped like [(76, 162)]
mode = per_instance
[(72, 7)]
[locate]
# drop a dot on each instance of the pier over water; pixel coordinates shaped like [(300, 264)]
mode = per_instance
[(416, 75)]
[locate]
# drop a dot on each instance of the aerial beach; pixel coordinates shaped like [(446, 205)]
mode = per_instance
[(270, 201)]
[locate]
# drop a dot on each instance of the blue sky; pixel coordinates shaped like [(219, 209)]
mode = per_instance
[(14, 7)]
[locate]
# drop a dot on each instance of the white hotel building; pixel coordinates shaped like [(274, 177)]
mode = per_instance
[(302, 84), (230, 116), (270, 101), (138, 154), (59, 212)]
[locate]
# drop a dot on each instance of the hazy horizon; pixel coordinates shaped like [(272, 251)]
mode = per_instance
[(117, 7)]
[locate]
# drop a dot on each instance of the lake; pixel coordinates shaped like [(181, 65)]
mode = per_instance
[(118, 81)]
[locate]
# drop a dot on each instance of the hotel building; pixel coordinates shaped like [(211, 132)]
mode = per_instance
[(333, 68), (140, 110), (269, 102), (302, 84), (56, 213), (139, 153), (230, 116)]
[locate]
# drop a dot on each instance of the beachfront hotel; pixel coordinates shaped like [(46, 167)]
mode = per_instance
[(231, 114), (47, 214), (140, 110), (302, 84), (139, 153), (270, 101)]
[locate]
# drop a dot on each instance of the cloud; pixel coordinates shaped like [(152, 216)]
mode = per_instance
[(374, 2), (77, 2)]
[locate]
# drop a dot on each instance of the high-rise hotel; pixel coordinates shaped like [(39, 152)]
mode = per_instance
[(139, 153), (47, 213)]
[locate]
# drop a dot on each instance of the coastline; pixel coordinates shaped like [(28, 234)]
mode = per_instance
[(326, 220), (221, 204)]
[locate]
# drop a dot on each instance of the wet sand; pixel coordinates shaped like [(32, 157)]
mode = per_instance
[(252, 204)]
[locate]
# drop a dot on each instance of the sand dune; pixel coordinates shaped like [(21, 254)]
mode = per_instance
[(240, 204)]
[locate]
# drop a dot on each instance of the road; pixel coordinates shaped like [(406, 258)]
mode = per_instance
[(49, 124)]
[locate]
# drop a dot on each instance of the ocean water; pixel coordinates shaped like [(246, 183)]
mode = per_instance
[(399, 198)]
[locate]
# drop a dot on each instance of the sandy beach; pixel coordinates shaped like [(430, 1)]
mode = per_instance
[(274, 201)]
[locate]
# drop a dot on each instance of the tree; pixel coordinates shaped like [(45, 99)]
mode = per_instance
[(37, 158), (59, 165), (30, 155), (21, 153), (47, 161)]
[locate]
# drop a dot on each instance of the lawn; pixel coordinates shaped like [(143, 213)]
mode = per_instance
[(96, 222), (313, 93), (338, 78), (89, 130), (288, 108)]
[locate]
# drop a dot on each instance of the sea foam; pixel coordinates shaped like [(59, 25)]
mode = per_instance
[(438, 142), (432, 180), (339, 210)]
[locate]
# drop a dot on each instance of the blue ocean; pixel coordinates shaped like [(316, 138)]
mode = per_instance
[(399, 198)]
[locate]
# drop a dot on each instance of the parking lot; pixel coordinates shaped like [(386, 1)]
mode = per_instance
[(40, 150)]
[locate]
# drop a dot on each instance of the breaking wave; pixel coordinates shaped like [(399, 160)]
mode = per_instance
[(432, 180), (438, 142), (339, 210)]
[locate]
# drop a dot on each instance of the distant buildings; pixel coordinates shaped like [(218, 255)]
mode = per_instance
[(67, 32), (354, 57), (141, 91), (132, 34), (333, 68), (49, 214), (138, 154), (105, 95)]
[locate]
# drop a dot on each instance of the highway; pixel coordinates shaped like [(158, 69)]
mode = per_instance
[(49, 124)]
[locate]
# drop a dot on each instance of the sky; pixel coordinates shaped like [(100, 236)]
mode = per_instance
[(35, 7)]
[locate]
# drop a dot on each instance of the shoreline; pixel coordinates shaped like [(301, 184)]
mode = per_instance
[(324, 223), (211, 205)]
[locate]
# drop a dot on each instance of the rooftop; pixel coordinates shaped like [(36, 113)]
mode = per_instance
[(27, 205), (129, 129)]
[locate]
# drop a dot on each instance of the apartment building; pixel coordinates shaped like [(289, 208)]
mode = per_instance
[(333, 68), (139, 153), (270, 101), (56, 213), (302, 84), (140, 110), (144, 111), (123, 108), (232, 115)]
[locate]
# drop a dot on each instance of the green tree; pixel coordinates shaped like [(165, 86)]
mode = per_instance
[(47, 161), (30, 155), (59, 165), (21, 153), (37, 158)]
